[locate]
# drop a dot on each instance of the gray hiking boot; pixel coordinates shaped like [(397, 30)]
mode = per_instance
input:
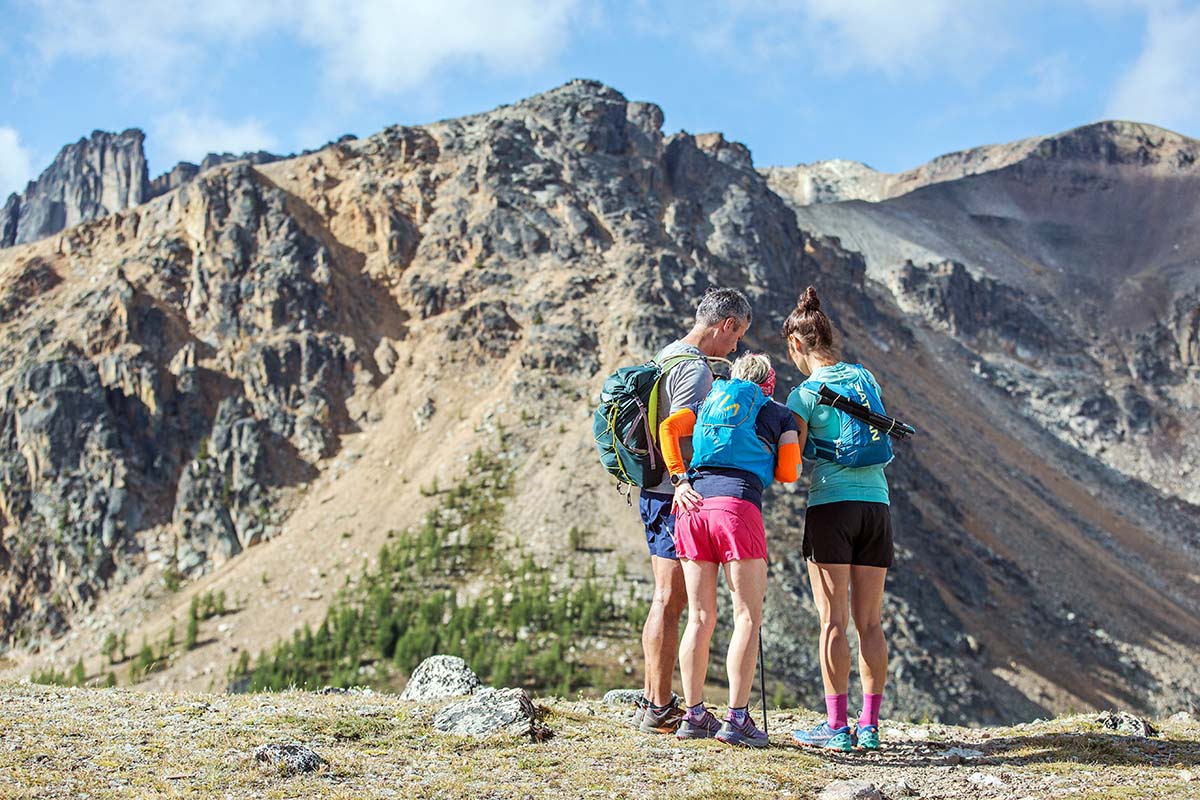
[(705, 727), (665, 720), (639, 711), (746, 734)]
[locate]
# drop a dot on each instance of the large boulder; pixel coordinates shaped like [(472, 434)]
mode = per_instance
[(491, 711), (438, 677)]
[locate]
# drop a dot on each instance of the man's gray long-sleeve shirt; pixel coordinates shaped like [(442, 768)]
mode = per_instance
[(685, 386)]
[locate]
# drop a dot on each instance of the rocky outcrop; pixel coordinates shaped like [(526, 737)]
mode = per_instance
[(980, 311), (221, 502), (95, 177), (185, 171), (89, 179)]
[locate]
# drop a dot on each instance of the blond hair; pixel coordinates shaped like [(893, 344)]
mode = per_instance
[(753, 367)]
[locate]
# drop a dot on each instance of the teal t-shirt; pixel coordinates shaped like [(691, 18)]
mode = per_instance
[(831, 482)]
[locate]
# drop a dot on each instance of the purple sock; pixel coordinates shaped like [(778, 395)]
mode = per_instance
[(738, 715), (870, 709), (835, 709), (696, 712)]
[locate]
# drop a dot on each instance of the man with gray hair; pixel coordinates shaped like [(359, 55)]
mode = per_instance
[(722, 319)]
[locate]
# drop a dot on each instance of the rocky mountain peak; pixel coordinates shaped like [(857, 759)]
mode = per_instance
[(1112, 143), (88, 179)]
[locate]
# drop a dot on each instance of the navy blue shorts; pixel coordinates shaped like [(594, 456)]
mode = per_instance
[(660, 524)]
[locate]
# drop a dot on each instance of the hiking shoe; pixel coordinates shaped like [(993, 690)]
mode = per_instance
[(661, 721), (825, 737), (746, 734), (639, 711), (704, 728), (866, 737)]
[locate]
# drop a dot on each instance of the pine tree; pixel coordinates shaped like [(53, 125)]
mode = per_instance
[(193, 631), (79, 674)]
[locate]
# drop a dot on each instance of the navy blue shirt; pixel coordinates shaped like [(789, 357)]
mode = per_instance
[(774, 419)]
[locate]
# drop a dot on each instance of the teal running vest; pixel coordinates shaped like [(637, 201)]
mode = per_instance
[(725, 434)]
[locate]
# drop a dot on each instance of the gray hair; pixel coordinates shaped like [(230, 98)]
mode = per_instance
[(718, 305), (753, 367)]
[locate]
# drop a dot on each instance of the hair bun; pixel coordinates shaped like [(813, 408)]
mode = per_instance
[(809, 301)]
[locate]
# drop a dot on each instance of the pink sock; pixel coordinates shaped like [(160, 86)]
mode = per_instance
[(870, 709), (835, 709)]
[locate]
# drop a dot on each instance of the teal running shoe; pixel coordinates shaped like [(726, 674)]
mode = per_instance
[(866, 737), (826, 738)]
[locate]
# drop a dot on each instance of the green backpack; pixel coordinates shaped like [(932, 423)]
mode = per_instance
[(625, 423)]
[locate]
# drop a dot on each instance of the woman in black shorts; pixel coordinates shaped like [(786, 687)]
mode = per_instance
[(847, 539)]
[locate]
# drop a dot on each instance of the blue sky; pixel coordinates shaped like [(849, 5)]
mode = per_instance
[(892, 83)]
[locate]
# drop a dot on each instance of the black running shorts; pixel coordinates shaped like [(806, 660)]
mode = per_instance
[(850, 532)]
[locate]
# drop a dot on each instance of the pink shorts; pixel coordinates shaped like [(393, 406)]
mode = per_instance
[(722, 529)]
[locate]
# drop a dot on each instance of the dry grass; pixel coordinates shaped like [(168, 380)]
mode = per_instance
[(58, 743)]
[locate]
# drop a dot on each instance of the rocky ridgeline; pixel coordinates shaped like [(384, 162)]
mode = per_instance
[(1110, 144), (178, 365), (93, 178)]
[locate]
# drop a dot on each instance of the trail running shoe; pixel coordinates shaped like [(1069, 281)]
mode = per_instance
[(746, 734), (661, 721), (866, 737), (639, 711), (704, 728), (826, 737)]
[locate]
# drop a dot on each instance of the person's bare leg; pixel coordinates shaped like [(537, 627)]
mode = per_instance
[(831, 593), (747, 587), (866, 602), (700, 578), (660, 635)]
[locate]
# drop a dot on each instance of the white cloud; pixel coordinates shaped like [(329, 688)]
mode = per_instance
[(391, 45), (1163, 85), (189, 137), (893, 35), (379, 45), (837, 36), (16, 163), (158, 44)]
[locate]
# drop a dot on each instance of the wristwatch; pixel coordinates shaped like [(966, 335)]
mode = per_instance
[(678, 478)]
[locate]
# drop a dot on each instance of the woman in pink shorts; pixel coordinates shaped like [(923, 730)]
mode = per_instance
[(742, 440)]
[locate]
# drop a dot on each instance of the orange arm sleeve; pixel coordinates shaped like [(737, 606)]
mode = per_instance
[(672, 429), (787, 463)]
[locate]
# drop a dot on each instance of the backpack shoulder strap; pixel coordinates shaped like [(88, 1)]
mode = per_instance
[(667, 365)]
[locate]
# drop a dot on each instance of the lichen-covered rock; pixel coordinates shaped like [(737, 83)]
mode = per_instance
[(489, 711), (1124, 722), (288, 758), (622, 697), (850, 790), (438, 677)]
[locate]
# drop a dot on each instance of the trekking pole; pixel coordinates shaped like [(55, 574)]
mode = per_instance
[(762, 671), (762, 662), (892, 427)]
